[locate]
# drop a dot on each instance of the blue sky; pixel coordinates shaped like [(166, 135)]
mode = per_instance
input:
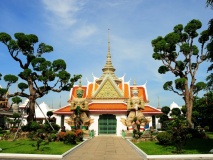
[(78, 31)]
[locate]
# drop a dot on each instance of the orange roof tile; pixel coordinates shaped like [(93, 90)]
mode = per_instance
[(126, 91), (120, 86), (96, 86), (89, 90), (64, 110), (107, 106), (149, 109)]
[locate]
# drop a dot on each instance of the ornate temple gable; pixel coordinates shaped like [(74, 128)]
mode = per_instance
[(108, 89)]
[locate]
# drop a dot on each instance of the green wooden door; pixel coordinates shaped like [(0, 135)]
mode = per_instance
[(107, 124)]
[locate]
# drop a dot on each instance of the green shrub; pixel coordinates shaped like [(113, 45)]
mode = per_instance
[(31, 135), (39, 143), (25, 128), (3, 131), (40, 131), (2, 122), (52, 137), (70, 137), (16, 99), (195, 133), (56, 127), (206, 128), (164, 138), (54, 131), (79, 135), (137, 134), (33, 126), (49, 129)]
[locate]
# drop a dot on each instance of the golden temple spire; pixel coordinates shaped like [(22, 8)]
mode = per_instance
[(108, 68)]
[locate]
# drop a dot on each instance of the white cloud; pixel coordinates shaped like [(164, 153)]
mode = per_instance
[(120, 3), (62, 13), (84, 32)]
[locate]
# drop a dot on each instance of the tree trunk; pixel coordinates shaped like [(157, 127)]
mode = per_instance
[(188, 98), (32, 101), (189, 112), (31, 115)]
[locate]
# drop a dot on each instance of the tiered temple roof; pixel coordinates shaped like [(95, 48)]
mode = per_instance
[(109, 93)]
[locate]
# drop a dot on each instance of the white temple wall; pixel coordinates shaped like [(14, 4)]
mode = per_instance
[(158, 125), (150, 123), (120, 125), (58, 120), (94, 125)]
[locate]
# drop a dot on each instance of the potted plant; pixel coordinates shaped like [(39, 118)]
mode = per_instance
[(123, 133), (16, 100)]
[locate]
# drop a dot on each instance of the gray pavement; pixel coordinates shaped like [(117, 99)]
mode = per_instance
[(105, 148)]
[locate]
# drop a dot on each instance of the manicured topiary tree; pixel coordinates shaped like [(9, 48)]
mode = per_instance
[(38, 76), (181, 53), (16, 100)]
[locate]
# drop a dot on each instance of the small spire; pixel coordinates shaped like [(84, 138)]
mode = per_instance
[(108, 41), (79, 91), (158, 103), (135, 85), (134, 82), (79, 83), (135, 89), (60, 102)]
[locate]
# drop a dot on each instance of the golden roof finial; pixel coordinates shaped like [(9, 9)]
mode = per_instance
[(108, 68), (79, 83), (108, 41), (134, 84), (79, 91)]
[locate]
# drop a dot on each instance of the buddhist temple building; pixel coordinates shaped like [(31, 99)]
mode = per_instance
[(108, 104)]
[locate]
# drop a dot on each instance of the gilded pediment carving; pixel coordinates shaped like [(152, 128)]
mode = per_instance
[(107, 91)]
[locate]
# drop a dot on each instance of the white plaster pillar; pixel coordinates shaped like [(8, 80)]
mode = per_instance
[(94, 125), (120, 125)]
